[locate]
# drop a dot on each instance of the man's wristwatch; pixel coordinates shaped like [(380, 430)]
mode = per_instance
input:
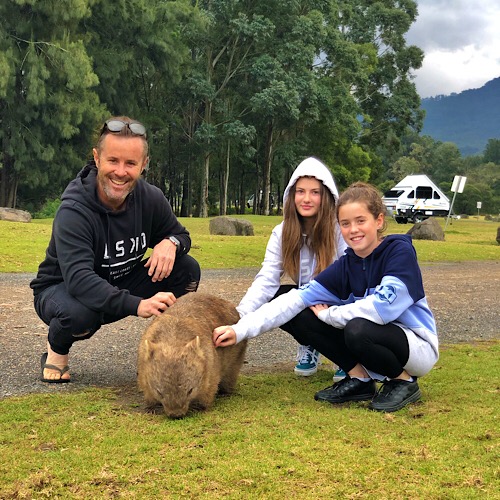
[(174, 240)]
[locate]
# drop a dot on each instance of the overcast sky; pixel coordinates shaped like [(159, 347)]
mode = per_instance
[(461, 42)]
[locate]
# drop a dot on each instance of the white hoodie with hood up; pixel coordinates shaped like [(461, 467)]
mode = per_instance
[(267, 281)]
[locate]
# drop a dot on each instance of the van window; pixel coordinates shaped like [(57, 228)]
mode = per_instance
[(412, 194), (436, 195), (424, 192), (393, 193)]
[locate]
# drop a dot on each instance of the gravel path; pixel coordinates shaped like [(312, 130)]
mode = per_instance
[(464, 298)]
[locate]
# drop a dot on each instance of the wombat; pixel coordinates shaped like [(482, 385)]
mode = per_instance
[(178, 365)]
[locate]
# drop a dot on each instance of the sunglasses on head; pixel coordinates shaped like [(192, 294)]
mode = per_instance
[(118, 125)]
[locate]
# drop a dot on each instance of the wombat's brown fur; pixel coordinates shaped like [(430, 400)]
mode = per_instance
[(178, 365)]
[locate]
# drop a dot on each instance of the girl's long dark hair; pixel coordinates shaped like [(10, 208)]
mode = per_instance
[(322, 238)]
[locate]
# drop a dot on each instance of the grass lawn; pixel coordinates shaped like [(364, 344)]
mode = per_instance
[(269, 440), (22, 246)]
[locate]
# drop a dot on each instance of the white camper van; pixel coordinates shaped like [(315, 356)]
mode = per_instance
[(415, 199)]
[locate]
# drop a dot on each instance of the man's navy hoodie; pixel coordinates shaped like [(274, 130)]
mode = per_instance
[(92, 248)]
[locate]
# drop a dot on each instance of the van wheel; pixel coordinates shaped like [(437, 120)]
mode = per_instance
[(418, 217)]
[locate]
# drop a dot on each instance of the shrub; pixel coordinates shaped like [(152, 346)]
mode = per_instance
[(48, 210)]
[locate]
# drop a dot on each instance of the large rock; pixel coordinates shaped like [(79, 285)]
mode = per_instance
[(230, 226), (428, 229), (13, 215)]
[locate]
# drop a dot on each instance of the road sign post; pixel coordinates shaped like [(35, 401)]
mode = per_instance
[(456, 187)]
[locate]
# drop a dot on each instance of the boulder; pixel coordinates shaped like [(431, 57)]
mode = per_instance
[(428, 229), (230, 226), (13, 215)]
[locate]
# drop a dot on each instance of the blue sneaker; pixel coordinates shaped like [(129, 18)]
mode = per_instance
[(307, 361), (339, 375)]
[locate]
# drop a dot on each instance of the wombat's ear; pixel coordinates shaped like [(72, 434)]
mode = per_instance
[(149, 348), (195, 346)]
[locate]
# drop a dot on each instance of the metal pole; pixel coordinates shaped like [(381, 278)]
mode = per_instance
[(449, 211)]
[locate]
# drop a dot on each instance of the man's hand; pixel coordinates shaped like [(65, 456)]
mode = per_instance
[(155, 305), (161, 261), (223, 336), (317, 308)]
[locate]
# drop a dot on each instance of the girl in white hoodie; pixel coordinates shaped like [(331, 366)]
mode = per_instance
[(304, 244)]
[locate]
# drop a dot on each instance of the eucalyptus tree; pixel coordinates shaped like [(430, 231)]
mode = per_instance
[(302, 74), (483, 184), (140, 57), (287, 101), (48, 104), (237, 136), (446, 162), (336, 76), (221, 50), (492, 151), (382, 83), (252, 72)]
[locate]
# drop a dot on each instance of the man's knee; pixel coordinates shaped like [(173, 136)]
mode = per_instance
[(187, 271), (65, 314), (194, 275), (81, 321), (73, 322)]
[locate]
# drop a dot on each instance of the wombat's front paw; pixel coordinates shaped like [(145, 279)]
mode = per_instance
[(226, 389), (199, 405)]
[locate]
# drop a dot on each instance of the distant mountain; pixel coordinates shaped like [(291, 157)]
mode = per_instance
[(468, 119)]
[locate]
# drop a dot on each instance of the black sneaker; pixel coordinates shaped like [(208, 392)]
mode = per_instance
[(395, 394), (347, 389)]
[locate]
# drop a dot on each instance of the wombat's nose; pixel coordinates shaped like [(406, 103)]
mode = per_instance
[(176, 413), (176, 416)]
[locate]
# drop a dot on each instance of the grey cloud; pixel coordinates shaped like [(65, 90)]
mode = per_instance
[(449, 25)]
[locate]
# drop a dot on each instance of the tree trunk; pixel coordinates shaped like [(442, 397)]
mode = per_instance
[(187, 194), (241, 197), (3, 186), (171, 177), (186, 204), (266, 184), (204, 186), (225, 182), (205, 174), (8, 183)]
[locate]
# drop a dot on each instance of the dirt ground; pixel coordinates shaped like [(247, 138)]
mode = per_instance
[(465, 299)]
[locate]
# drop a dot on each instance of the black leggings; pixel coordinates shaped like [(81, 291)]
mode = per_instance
[(383, 349)]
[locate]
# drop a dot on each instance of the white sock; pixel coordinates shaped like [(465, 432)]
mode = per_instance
[(411, 379)]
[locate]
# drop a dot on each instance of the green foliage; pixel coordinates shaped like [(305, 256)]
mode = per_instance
[(269, 440), (60, 61), (441, 162), (48, 210), (234, 95), (492, 152), (48, 105)]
